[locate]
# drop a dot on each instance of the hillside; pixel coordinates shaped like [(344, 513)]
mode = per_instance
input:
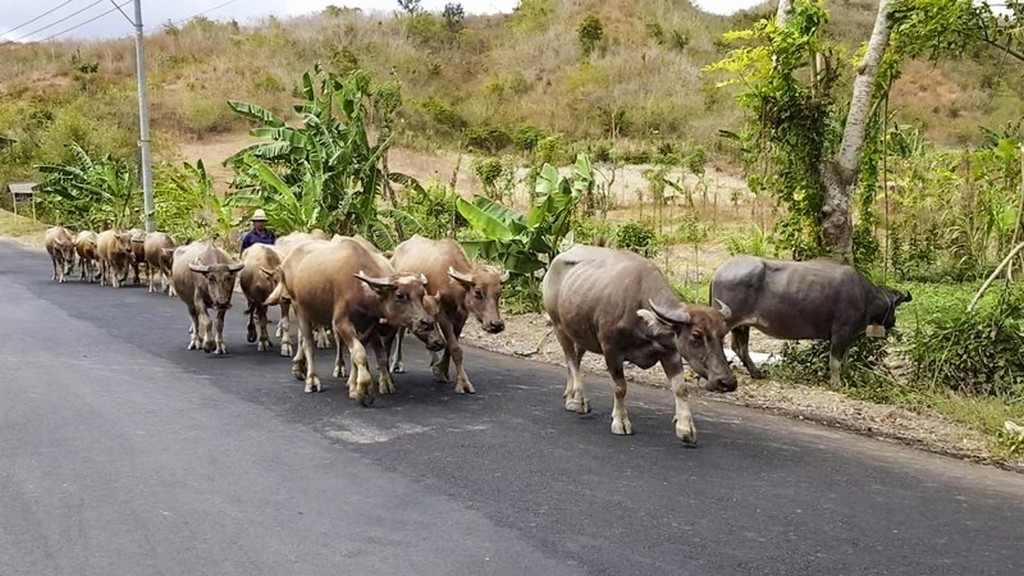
[(480, 81)]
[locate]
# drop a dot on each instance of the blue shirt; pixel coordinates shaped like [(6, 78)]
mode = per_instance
[(256, 237)]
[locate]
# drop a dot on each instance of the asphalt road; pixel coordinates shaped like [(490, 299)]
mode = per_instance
[(123, 453)]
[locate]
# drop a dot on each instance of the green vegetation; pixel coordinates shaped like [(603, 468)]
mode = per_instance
[(613, 94)]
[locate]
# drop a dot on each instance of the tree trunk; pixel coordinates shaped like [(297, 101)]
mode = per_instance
[(782, 13), (840, 174)]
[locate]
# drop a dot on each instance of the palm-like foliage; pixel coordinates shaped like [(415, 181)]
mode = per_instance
[(327, 173), (91, 193), (188, 205)]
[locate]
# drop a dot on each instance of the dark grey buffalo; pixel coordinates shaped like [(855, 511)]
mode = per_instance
[(619, 305), (813, 300)]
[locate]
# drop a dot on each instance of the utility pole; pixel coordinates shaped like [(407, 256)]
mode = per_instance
[(140, 72)]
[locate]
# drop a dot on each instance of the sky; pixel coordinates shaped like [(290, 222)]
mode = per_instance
[(16, 14)]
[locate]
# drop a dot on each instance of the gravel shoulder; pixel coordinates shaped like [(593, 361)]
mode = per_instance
[(529, 336)]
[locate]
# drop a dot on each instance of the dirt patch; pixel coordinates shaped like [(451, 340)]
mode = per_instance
[(529, 336)]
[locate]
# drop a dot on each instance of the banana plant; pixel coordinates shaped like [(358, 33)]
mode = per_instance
[(91, 193), (526, 243)]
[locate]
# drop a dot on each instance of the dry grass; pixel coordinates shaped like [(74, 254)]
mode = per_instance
[(25, 231)]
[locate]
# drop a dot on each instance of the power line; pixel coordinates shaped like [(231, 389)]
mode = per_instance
[(207, 11), (47, 13), (54, 23), (94, 18)]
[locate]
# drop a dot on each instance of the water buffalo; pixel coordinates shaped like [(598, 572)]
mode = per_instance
[(115, 256), (204, 277), (620, 305), (88, 254), (345, 286), (284, 246), (137, 236), (257, 286), (814, 300), (463, 289), (158, 250), (60, 245)]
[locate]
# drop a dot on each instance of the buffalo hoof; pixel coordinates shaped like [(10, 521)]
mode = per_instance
[(578, 406), (755, 373), (622, 427), (339, 371), (263, 346), (193, 344), (286, 349), (687, 433), (299, 370), (439, 376), (464, 388), (397, 367), (209, 346), (220, 349), (313, 384), (251, 336), (366, 400), (385, 385)]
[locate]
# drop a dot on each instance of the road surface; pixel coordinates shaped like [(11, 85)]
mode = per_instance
[(123, 453)]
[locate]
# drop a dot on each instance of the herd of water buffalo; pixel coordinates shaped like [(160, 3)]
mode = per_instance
[(614, 303)]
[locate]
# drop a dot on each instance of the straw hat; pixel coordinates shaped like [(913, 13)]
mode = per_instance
[(259, 215)]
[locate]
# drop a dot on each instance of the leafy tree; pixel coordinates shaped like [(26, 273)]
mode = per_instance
[(453, 15), (590, 33), (91, 193), (410, 6)]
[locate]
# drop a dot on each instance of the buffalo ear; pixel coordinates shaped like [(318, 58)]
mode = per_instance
[(907, 296)]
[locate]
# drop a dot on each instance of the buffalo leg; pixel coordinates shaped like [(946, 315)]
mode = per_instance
[(339, 359), (53, 261), (683, 418), (323, 339), (395, 345), (264, 343), (362, 382), (385, 384), (306, 353), (454, 351), (620, 418), (284, 329), (103, 273), (575, 398), (193, 341), (218, 332), (250, 327), (741, 346), (840, 343)]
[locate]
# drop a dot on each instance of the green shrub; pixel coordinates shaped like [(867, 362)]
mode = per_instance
[(754, 242), (638, 237), (443, 115), (527, 137), (977, 352), (589, 33), (488, 139), (865, 373)]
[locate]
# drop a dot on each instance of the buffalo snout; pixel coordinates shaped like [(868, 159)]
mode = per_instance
[(494, 326), (726, 384)]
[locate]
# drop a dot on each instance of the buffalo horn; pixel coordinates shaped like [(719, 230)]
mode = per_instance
[(459, 276), (673, 316), (724, 309)]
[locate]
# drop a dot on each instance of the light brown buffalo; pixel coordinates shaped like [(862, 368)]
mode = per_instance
[(204, 277), (284, 246), (257, 286), (158, 251), (463, 289), (60, 245), (346, 287), (620, 305), (88, 255), (115, 256), (138, 240)]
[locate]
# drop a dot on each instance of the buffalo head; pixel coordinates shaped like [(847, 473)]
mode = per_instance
[(699, 332), (220, 280), (405, 304), (483, 289)]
